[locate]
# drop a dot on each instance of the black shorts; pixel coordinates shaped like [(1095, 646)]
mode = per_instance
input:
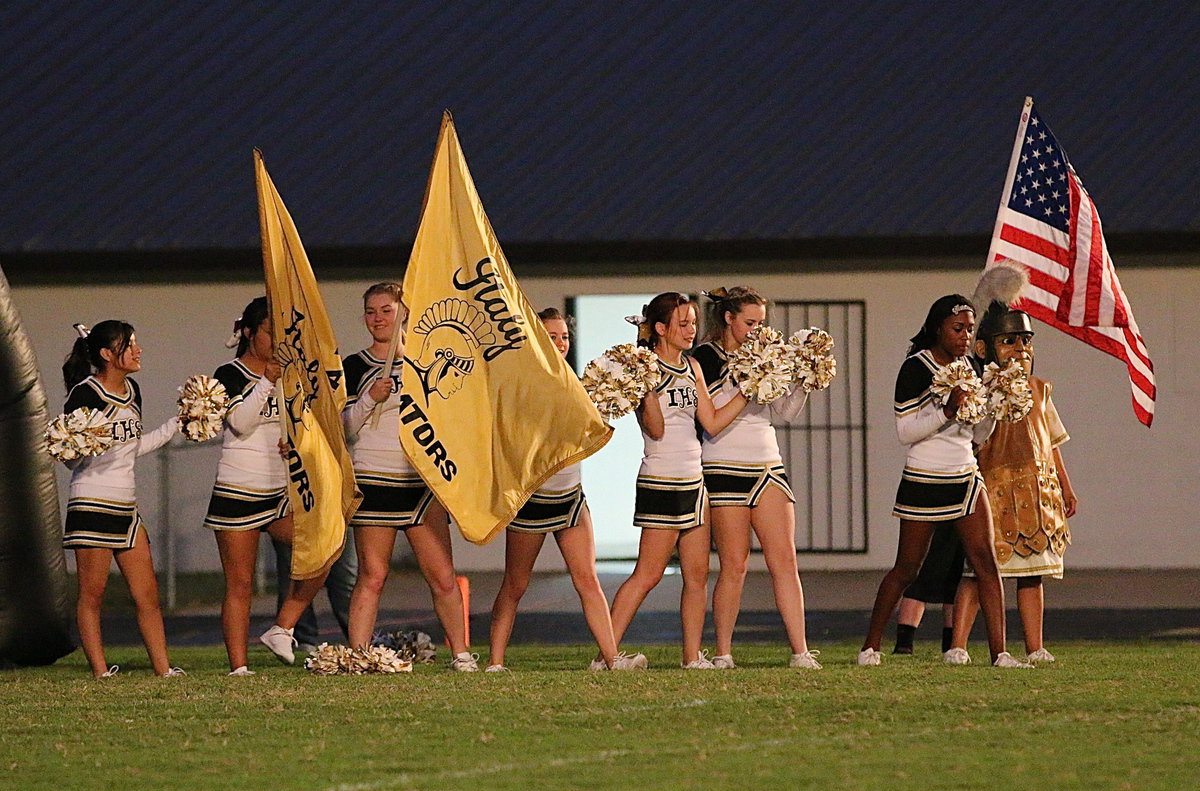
[(937, 582)]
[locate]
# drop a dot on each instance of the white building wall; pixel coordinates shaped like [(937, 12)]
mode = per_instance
[(1137, 487)]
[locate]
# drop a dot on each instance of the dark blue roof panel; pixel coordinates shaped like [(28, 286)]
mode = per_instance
[(127, 125)]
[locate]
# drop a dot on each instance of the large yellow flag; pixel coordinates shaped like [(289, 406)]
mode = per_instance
[(489, 409), (312, 388)]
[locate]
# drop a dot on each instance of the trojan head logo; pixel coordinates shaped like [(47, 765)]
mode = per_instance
[(452, 333)]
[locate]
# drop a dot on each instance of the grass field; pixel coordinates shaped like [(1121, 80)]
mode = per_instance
[(1107, 716)]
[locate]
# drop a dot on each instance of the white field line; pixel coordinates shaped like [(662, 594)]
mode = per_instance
[(410, 779)]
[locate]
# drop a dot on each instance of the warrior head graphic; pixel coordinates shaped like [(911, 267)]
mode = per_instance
[(451, 332)]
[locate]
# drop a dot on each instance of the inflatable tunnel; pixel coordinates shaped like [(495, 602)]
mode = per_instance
[(34, 607)]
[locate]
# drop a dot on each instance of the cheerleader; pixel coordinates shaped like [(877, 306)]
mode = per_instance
[(250, 493), (557, 508), (940, 482), (102, 515), (747, 484), (669, 506), (395, 498)]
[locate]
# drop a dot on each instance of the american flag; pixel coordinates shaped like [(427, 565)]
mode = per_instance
[(1048, 223)]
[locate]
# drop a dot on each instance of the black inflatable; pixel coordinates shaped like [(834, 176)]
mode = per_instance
[(34, 608)]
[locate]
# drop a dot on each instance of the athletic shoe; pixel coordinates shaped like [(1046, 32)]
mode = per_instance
[(701, 662), (174, 672), (465, 662), (956, 656), (597, 665), (112, 671), (1005, 659), (1040, 656), (869, 656), (624, 661), (281, 643), (495, 669), (242, 671), (903, 650), (807, 660), (724, 662)]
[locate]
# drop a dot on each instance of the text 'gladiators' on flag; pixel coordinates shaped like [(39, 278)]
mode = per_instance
[(489, 409), (312, 390), (1048, 223)]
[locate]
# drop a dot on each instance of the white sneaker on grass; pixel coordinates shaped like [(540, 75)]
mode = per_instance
[(466, 662), (701, 662), (495, 669), (807, 660), (956, 656), (597, 665), (724, 662), (241, 671), (281, 643), (1005, 659), (1040, 656), (112, 671), (624, 661), (869, 657), (174, 672)]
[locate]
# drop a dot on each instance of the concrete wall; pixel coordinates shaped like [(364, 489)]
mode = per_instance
[(1138, 496)]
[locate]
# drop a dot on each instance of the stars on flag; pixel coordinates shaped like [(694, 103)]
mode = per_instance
[(1039, 190)]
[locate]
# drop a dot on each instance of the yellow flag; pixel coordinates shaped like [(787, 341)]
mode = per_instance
[(489, 408), (312, 390)]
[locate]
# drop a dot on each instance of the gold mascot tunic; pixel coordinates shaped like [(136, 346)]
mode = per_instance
[(1017, 463)]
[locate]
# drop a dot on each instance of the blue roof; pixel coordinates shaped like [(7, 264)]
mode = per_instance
[(129, 126)]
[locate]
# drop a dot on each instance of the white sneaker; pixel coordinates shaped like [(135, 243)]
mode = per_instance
[(281, 643), (624, 661), (701, 662), (495, 669), (1005, 659), (174, 672), (956, 656), (807, 660), (597, 665), (466, 662), (112, 671), (724, 662), (869, 656), (242, 671), (1040, 656)]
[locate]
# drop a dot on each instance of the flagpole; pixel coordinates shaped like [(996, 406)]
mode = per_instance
[(993, 250), (377, 410)]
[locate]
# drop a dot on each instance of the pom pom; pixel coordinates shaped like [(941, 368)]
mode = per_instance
[(334, 660), (619, 379), (1009, 396), (84, 432), (812, 351), (412, 646), (959, 374), (202, 405), (763, 367)]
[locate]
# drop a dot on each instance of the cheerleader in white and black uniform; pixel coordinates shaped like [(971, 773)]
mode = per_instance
[(670, 485), (250, 493), (102, 515), (941, 482), (395, 498), (747, 484), (557, 508)]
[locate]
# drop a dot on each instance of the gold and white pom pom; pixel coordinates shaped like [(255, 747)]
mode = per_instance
[(83, 432), (1009, 396), (812, 353), (959, 374), (340, 660), (762, 367), (202, 404), (617, 380)]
